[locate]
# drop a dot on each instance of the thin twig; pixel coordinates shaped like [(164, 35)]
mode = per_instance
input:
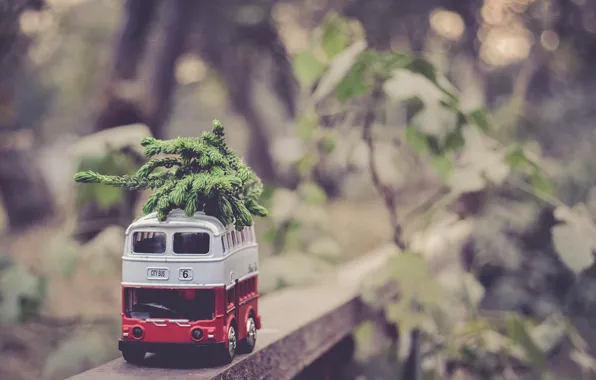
[(386, 191), (412, 368)]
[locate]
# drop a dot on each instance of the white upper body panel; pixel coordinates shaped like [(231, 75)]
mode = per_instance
[(221, 255), (177, 219)]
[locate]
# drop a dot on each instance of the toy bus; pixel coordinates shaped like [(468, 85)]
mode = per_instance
[(188, 282)]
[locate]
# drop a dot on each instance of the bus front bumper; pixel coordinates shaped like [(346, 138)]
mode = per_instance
[(157, 347)]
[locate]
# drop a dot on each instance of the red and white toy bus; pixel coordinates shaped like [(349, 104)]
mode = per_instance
[(188, 282)]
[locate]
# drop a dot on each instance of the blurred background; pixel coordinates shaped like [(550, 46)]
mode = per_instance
[(81, 82)]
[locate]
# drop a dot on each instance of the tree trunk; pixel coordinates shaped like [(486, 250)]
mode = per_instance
[(158, 104), (234, 51), (23, 190), (25, 194), (116, 107)]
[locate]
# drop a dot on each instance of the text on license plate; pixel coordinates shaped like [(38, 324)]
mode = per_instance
[(158, 273)]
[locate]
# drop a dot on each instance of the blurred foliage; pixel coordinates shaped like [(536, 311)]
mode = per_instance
[(469, 157), (85, 348), (21, 292)]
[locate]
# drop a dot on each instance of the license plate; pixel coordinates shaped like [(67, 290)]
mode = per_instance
[(158, 273)]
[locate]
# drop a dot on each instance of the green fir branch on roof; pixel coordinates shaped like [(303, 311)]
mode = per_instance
[(193, 174)]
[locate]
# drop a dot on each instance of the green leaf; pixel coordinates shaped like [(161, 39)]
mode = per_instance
[(306, 164), (404, 316), (454, 142), (410, 270), (479, 117), (417, 140), (312, 193), (334, 43), (353, 85), (423, 67), (328, 143), (306, 125), (396, 60), (307, 68), (516, 159), (335, 38), (541, 185), (442, 165), (492, 342), (339, 68), (517, 331), (269, 236)]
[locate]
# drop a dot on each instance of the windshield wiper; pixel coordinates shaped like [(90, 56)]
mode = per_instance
[(162, 310)]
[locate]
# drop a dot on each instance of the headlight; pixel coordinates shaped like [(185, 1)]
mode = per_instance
[(137, 332), (196, 334)]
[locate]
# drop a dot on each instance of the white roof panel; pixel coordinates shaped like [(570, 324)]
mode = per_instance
[(177, 218)]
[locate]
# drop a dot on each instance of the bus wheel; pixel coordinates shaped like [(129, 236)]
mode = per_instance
[(232, 342), (249, 343), (133, 356)]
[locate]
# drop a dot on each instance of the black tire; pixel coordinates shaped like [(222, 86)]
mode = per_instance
[(133, 356), (230, 351), (247, 345)]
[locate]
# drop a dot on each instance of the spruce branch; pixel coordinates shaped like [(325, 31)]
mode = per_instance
[(126, 182), (205, 176), (150, 166)]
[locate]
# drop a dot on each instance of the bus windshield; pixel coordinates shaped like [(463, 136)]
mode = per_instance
[(191, 304)]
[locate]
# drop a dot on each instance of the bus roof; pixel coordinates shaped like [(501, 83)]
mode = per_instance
[(177, 218)]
